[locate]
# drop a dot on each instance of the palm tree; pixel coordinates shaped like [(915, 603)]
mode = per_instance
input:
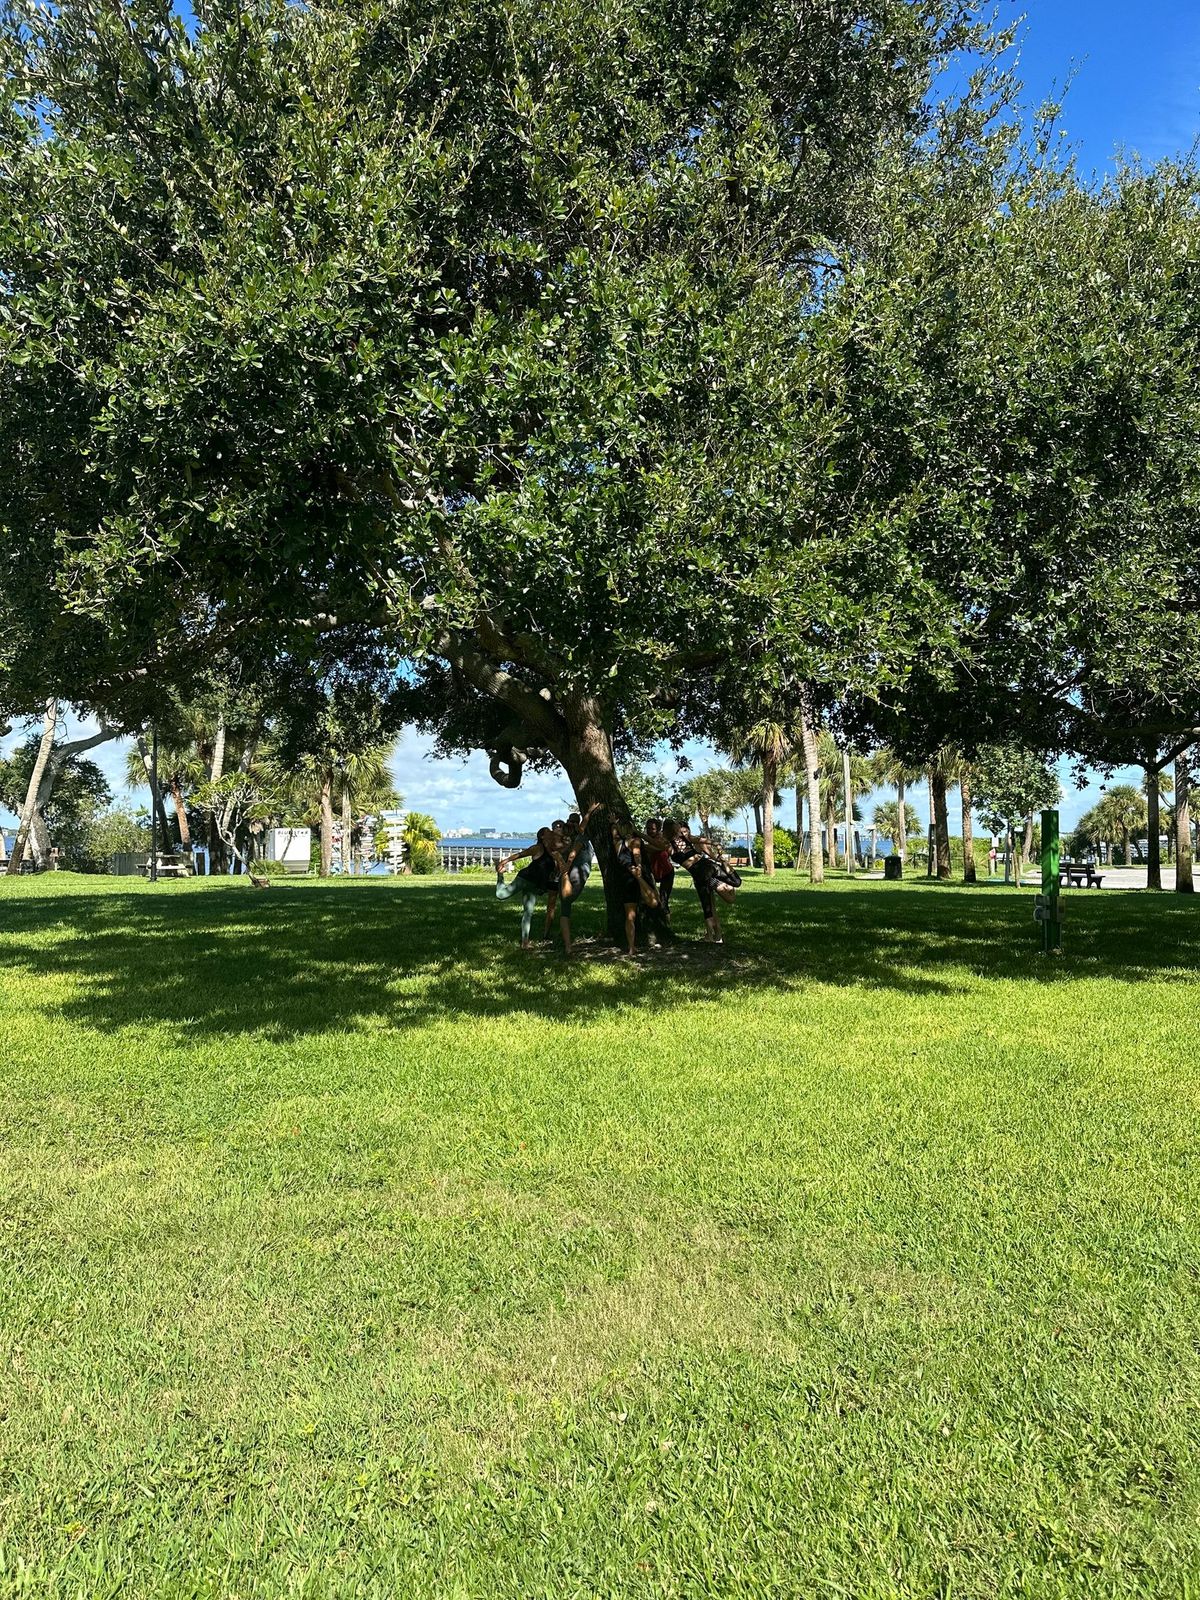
[(888, 767), (359, 777), (968, 825), (895, 824), (807, 747), (366, 785), (1157, 784), (829, 759), (704, 795), (944, 771), (766, 744), (741, 790), (835, 801), (181, 771), (1184, 883), (1120, 814)]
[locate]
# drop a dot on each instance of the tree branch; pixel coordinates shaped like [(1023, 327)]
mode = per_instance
[(534, 709)]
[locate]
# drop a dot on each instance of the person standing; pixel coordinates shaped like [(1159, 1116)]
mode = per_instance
[(629, 863), (694, 857), (540, 876), (578, 857), (662, 868)]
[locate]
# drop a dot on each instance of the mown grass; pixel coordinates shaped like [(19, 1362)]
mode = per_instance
[(346, 1252)]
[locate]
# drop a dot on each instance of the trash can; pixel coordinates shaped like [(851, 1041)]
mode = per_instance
[(893, 869)]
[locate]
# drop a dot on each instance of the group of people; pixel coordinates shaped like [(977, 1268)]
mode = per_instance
[(645, 861)]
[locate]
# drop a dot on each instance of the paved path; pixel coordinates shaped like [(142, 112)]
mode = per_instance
[(1114, 878)]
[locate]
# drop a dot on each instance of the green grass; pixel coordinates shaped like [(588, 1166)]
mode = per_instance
[(344, 1251)]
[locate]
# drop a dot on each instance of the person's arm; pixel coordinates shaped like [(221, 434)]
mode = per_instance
[(529, 850), (581, 840)]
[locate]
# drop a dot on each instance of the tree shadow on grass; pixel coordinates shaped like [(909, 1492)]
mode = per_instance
[(307, 960)]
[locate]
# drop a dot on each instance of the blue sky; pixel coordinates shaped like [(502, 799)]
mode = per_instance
[(1135, 88), (1136, 66)]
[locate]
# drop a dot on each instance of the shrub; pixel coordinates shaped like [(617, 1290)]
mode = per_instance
[(785, 847), (117, 831), (423, 857)]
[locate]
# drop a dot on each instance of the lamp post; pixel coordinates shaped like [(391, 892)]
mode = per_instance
[(153, 804)]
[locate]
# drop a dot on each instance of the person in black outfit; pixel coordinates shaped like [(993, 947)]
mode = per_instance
[(540, 876), (710, 877)]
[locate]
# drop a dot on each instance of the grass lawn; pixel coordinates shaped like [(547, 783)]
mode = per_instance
[(344, 1251)]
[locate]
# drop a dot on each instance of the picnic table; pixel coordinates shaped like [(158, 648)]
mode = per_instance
[(168, 867), (1079, 875)]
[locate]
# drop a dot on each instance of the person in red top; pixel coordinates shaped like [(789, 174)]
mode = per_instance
[(662, 868)]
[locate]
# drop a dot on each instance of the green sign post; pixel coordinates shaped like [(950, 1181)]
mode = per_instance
[(1048, 909)]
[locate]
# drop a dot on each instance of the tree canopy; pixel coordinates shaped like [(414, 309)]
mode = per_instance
[(566, 378)]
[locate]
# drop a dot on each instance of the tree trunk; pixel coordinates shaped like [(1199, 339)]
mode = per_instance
[(968, 828), (848, 794), (770, 774), (346, 827), (931, 836), (1027, 842), (587, 757), (758, 817), (218, 760), (812, 784), (181, 817), (1153, 824), (1183, 826), (941, 813), (25, 820), (326, 825), (797, 864), (902, 821), (216, 850), (831, 838), (39, 839), (156, 798)]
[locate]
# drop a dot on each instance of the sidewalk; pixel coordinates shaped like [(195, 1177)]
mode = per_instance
[(1114, 878)]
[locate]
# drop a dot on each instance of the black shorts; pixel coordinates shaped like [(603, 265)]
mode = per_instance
[(629, 885)]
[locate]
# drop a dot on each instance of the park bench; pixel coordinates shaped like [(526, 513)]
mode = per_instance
[(1079, 875)]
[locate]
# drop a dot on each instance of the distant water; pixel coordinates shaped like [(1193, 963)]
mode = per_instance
[(476, 842)]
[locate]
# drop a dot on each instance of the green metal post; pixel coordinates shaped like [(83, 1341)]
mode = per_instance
[(1051, 901)]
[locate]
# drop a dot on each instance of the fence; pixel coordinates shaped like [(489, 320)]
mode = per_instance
[(455, 856)]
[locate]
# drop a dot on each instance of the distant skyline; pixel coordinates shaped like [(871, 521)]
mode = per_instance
[(1134, 74)]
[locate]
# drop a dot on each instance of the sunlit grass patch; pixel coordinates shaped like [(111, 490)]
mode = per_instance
[(346, 1251)]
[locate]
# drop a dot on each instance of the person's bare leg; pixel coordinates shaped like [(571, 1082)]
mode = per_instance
[(713, 924), (564, 924), (551, 906), (631, 928)]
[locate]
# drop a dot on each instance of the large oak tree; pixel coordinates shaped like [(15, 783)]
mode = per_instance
[(479, 327)]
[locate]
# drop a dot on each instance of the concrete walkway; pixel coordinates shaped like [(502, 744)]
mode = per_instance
[(1114, 878)]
